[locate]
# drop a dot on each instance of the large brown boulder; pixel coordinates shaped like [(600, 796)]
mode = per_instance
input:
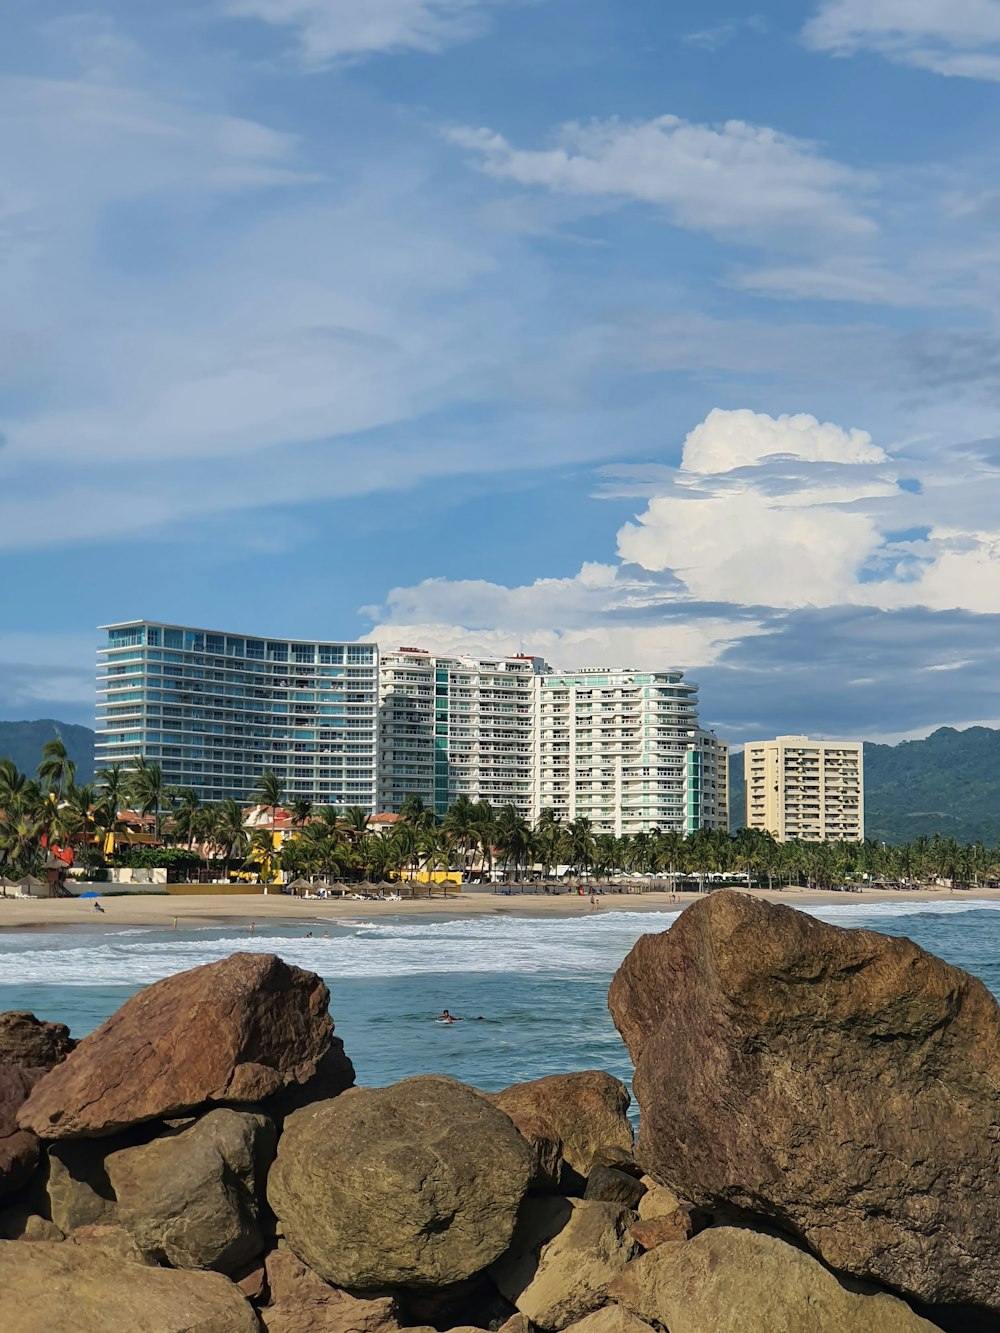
[(588, 1111), (47, 1286), (193, 1197), (31, 1042), (19, 1148), (239, 1030), (415, 1185), (562, 1258), (841, 1082), (728, 1280)]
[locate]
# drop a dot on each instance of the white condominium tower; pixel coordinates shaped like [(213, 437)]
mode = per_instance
[(804, 790), (623, 749), (456, 726), (215, 710)]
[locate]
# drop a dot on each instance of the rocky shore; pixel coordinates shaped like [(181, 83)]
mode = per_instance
[(818, 1153)]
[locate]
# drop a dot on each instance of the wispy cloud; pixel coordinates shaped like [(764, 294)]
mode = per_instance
[(330, 30), (959, 38), (734, 179), (721, 34)]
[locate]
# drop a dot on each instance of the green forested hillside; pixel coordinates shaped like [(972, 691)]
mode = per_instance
[(947, 783), (23, 741)]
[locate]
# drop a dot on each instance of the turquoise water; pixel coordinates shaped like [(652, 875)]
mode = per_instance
[(541, 985)]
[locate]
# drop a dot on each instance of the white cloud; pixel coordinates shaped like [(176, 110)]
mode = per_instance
[(729, 179), (764, 516), (329, 30), (960, 38)]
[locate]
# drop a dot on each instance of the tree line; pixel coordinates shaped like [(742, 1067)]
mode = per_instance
[(51, 809)]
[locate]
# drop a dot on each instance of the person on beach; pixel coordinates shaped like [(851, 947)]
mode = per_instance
[(98, 907)]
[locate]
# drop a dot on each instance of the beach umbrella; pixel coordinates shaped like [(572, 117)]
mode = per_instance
[(91, 893), (298, 884)]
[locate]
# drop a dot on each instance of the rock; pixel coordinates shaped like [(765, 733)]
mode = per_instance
[(239, 1030), (334, 1075), (79, 1192), (40, 1228), (19, 1148), (47, 1287), (610, 1319), (31, 1043), (728, 1280), (113, 1241), (517, 1323), (252, 1280), (192, 1198), (838, 1082), (415, 1185), (678, 1225), (547, 1149), (618, 1158), (606, 1184), (587, 1112), (301, 1302), (658, 1201), (584, 1245)]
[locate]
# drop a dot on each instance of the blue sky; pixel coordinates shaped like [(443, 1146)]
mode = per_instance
[(648, 334)]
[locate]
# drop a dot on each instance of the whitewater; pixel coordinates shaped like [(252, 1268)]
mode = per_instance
[(532, 992)]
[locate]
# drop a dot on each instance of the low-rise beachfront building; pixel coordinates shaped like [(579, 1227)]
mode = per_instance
[(456, 726), (623, 749), (804, 790), (215, 710)]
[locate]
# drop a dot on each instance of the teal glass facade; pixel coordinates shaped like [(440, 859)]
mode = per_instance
[(215, 710)]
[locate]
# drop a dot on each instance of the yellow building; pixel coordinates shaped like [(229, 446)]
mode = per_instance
[(804, 790)]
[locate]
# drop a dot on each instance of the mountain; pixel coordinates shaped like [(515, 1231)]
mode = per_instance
[(23, 741), (947, 783)]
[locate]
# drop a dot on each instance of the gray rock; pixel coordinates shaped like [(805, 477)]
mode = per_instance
[(416, 1185), (192, 1198), (606, 1184)]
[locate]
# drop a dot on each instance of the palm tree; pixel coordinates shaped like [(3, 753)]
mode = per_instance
[(270, 789), (513, 837), (185, 815), (301, 810), (111, 784), (56, 771), (229, 832), (355, 824), (580, 843), (261, 854), (78, 811), (149, 792), (462, 824)]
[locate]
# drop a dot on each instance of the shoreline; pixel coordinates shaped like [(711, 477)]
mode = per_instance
[(160, 910)]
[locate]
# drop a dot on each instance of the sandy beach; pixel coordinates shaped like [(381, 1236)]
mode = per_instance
[(161, 909)]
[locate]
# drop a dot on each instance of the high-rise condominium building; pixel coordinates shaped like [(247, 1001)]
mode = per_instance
[(804, 790), (456, 726), (215, 710), (623, 749), (341, 726)]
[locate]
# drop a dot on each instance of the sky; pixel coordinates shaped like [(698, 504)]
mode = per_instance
[(625, 334)]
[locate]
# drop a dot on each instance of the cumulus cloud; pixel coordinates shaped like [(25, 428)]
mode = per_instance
[(328, 30), (734, 178), (959, 38), (766, 523)]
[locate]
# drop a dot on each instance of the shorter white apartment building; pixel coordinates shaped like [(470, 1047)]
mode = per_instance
[(804, 790), (623, 749), (456, 726)]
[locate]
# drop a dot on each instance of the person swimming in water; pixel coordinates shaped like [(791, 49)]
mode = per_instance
[(446, 1017)]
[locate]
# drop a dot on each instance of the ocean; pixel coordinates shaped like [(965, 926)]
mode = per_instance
[(531, 992)]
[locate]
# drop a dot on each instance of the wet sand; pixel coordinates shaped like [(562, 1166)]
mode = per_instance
[(161, 909)]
